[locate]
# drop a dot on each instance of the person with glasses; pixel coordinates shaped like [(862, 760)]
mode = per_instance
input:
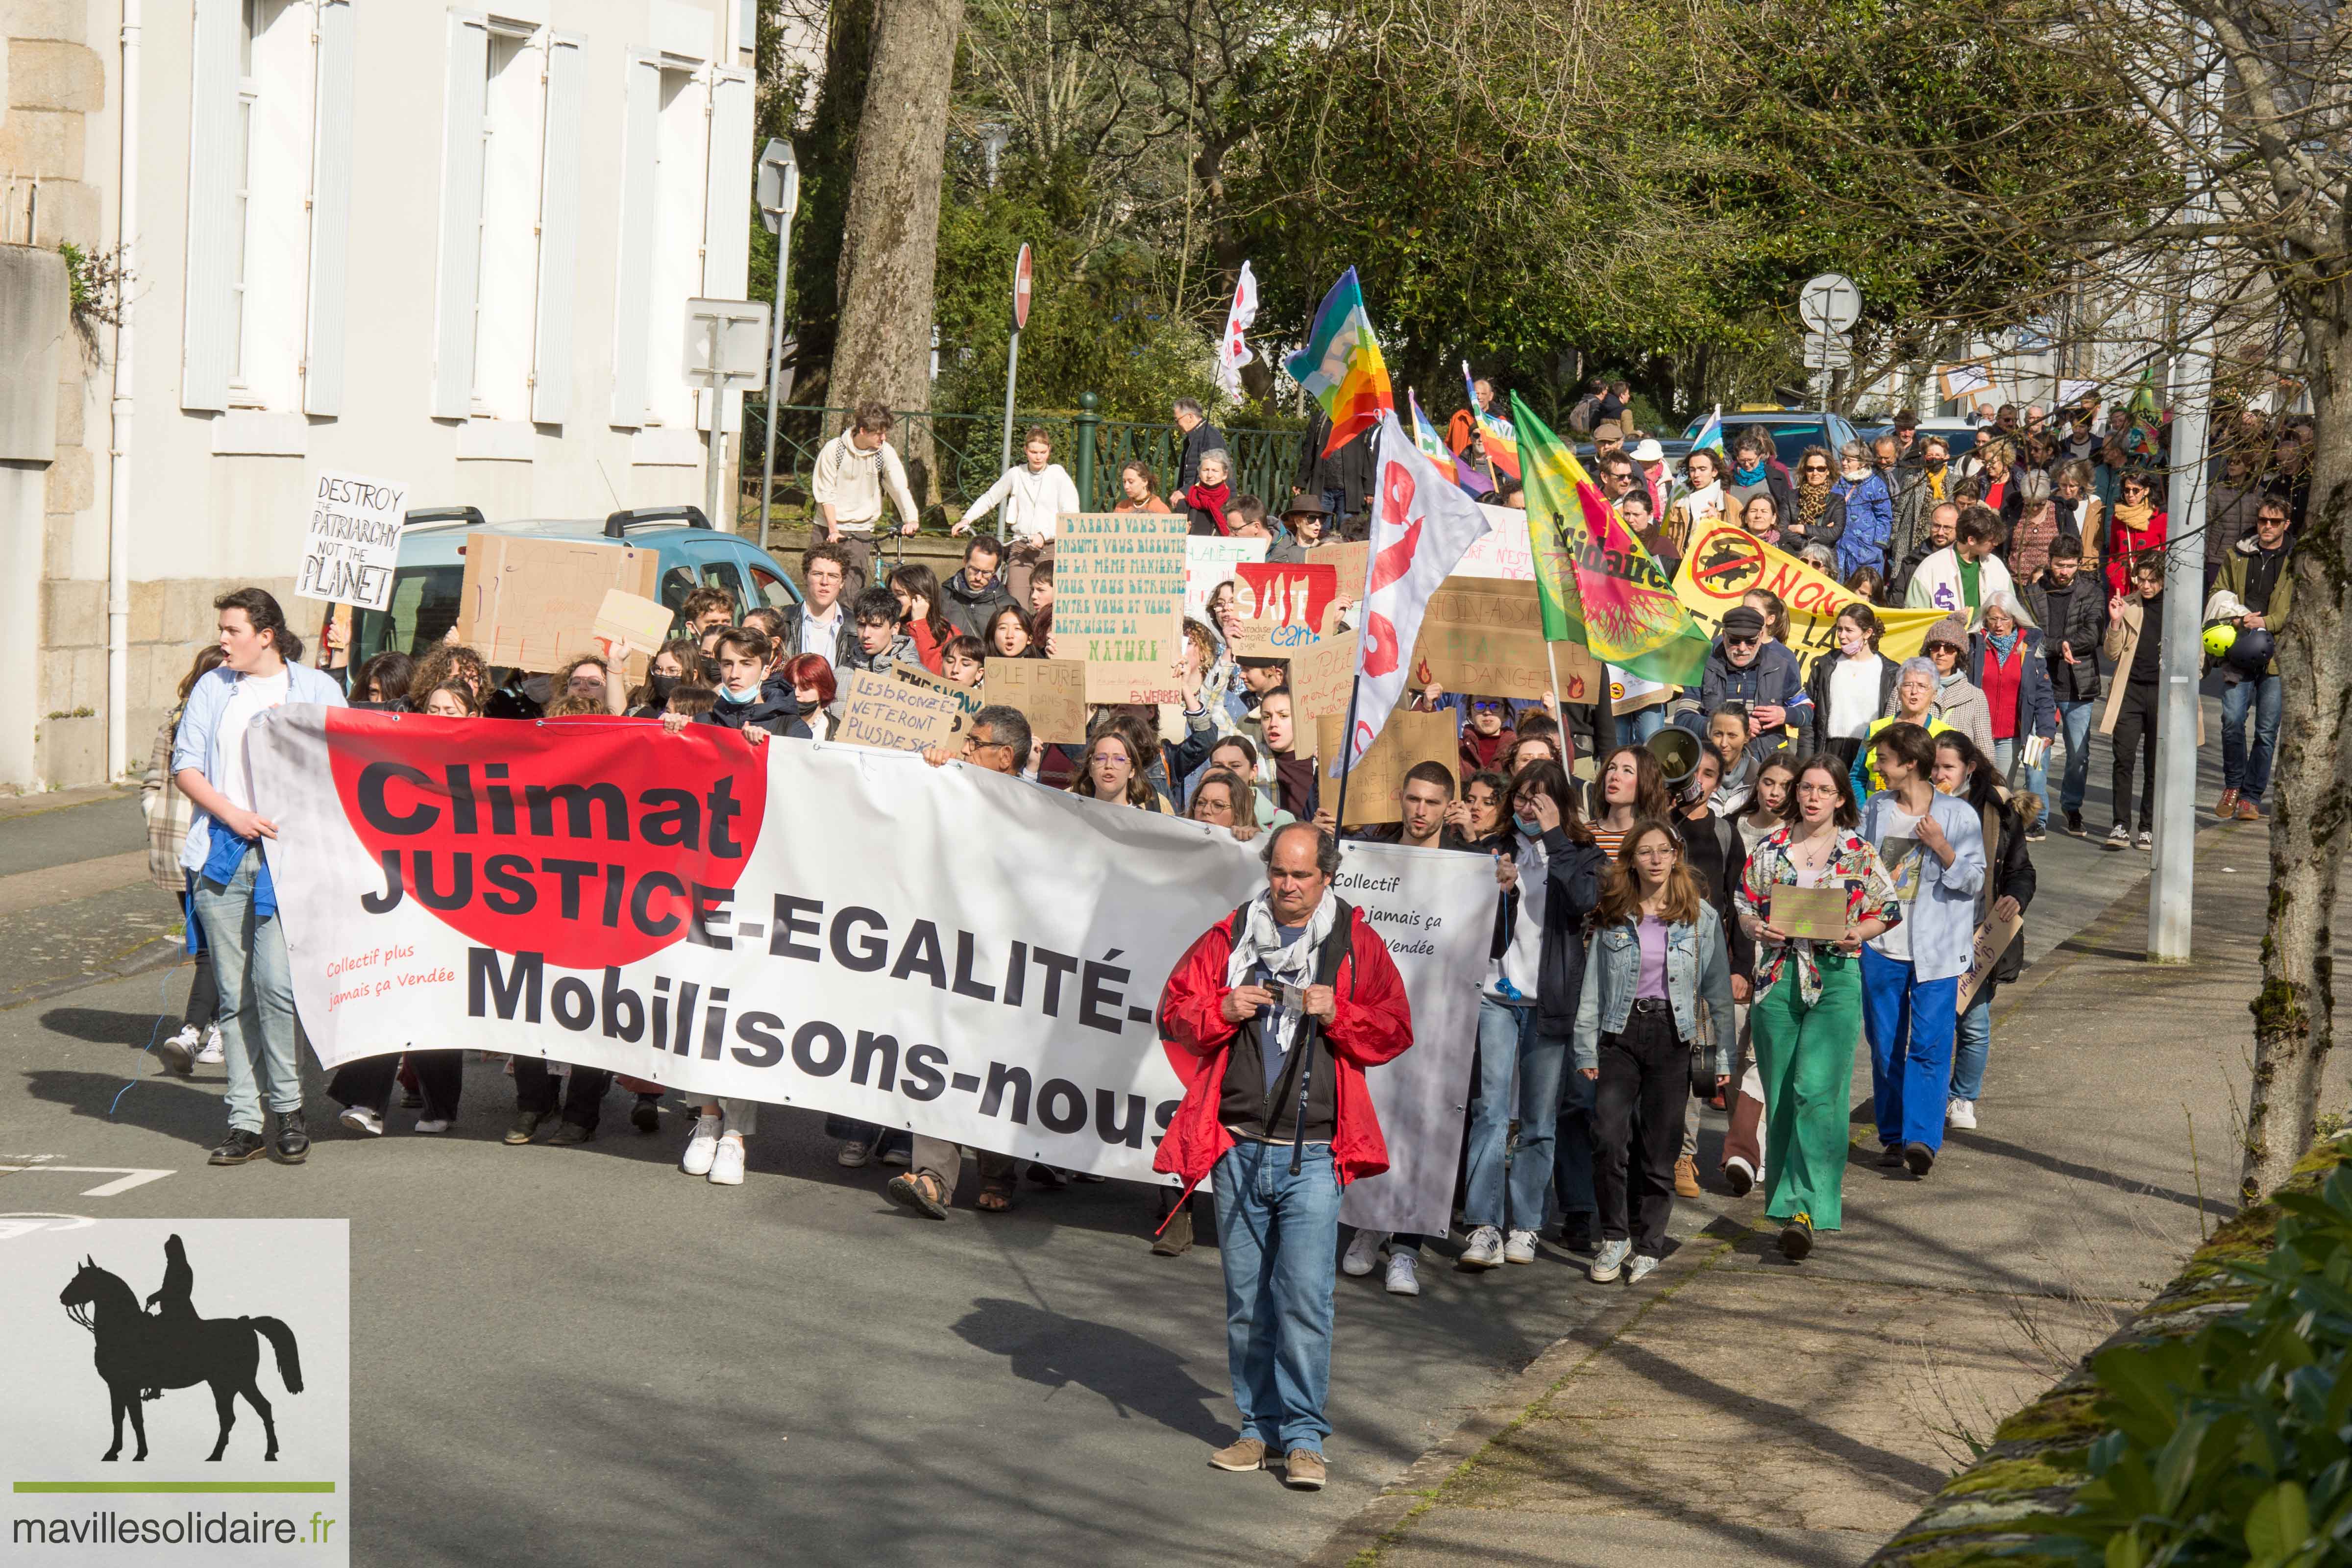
[(1744, 666), (1755, 472), (2261, 573), (1962, 577), (2135, 645), (2135, 528), (1817, 512)]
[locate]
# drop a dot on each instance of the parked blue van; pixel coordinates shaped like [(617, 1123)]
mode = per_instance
[(426, 585)]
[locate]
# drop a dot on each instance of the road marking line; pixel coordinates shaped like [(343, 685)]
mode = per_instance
[(126, 1176)]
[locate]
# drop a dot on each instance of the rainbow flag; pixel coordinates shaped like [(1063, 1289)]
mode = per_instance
[(1497, 436), (1596, 583), (1340, 367), (1432, 446)]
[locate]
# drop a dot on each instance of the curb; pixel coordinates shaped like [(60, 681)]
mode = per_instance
[(1380, 1520), (156, 952)]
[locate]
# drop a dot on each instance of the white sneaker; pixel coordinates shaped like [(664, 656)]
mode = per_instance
[(1519, 1246), (1484, 1250), (211, 1055), (727, 1164), (851, 1154), (1738, 1177), (1363, 1253), (178, 1054), (1610, 1262), (1638, 1269), (433, 1124), (360, 1119), (1960, 1114), (1403, 1280), (702, 1147)]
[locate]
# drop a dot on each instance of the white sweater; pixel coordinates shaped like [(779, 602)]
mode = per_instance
[(853, 480), (1031, 500)]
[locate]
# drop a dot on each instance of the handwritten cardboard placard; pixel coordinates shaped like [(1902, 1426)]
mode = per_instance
[(1503, 550), (1321, 674), (1281, 608), (1992, 940), (895, 715), (642, 623), (1209, 562), (1050, 692), (1348, 563), (352, 541), (532, 603), (1407, 740), (1118, 602), (967, 698), (1483, 636)]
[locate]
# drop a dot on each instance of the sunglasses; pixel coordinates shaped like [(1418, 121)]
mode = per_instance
[(1741, 642)]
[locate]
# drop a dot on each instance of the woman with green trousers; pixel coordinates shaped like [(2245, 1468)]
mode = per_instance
[(1933, 848), (1808, 1007)]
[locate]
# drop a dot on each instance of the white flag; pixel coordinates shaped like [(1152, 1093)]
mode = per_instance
[(1422, 524), (1234, 352)]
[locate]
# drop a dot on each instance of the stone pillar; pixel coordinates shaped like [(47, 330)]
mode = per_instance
[(33, 334)]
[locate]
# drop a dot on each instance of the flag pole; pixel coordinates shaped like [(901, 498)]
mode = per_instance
[(1347, 740)]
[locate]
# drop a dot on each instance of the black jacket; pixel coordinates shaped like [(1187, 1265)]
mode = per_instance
[(1719, 860), (776, 709), (1899, 583), (845, 636), (1347, 471), (1817, 686), (1828, 530), (1203, 437), (2013, 877), (2086, 623), (1574, 871), (970, 612)]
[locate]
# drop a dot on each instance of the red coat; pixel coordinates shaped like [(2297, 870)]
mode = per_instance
[(1372, 1023)]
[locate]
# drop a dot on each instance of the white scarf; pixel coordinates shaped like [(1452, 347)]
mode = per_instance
[(1260, 943)]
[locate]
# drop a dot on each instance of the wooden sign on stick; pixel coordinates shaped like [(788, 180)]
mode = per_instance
[(1406, 740)]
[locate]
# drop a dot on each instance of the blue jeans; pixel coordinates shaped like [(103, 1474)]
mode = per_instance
[(256, 998), (1910, 1022), (1278, 1236), (1646, 722), (2075, 723), (1972, 1048), (2242, 770), (1508, 1052)]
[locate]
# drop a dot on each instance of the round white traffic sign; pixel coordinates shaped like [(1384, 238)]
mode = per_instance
[(1828, 303)]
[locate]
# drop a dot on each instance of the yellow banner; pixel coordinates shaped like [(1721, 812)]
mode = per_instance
[(1724, 562)]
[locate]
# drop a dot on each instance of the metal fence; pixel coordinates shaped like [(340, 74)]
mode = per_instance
[(955, 456)]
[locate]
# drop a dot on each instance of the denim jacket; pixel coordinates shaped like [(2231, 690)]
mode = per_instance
[(1698, 969), (197, 745), (1943, 914)]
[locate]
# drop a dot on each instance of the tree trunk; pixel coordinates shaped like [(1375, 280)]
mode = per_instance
[(2311, 807), (890, 235)]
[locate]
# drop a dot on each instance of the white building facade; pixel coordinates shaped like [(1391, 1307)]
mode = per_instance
[(446, 245)]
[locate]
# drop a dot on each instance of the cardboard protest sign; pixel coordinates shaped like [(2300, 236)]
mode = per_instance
[(895, 715), (1725, 561), (643, 623), (352, 542), (1631, 693), (1209, 562), (1320, 675), (1281, 608), (534, 603), (1408, 739), (966, 699), (1050, 692), (1503, 550), (1994, 938), (1483, 636), (1348, 565), (1118, 602)]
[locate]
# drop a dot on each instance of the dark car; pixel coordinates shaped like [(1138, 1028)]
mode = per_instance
[(1793, 430)]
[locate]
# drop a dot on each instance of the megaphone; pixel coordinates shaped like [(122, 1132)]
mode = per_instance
[(1677, 751)]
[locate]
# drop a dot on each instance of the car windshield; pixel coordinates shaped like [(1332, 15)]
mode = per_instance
[(1789, 436), (423, 607)]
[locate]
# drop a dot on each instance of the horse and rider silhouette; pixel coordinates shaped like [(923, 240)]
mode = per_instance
[(141, 1353)]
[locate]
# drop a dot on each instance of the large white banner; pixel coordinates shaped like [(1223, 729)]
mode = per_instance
[(832, 927)]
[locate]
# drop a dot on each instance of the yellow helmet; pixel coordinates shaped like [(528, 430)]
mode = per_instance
[(2220, 638)]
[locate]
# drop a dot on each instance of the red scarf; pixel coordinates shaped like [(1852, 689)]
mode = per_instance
[(1210, 499)]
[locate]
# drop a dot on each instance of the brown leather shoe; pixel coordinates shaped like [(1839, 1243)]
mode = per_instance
[(1686, 1177), (1177, 1239), (1242, 1453), (2227, 807), (2248, 810), (1303, 1471)]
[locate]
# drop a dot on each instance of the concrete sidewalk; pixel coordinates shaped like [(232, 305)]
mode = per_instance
[(1739, 1409)]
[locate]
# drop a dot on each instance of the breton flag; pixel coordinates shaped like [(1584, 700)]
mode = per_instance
[(1234, 352), (1422, 526)]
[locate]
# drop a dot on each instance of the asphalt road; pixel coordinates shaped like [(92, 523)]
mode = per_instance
[(581, 1355)]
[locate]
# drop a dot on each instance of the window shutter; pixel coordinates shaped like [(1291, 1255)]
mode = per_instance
[(633, 256), (461, 215), (331, 213), (726, 209), (559, 234), (207, 342)]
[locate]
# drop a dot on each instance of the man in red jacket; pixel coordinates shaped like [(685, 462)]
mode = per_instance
[(1271, 1018)]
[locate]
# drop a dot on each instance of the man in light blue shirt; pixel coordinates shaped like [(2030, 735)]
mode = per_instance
[(1932, 846), (232, 893)]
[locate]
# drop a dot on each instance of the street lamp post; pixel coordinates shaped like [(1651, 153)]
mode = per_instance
[(780, 198)]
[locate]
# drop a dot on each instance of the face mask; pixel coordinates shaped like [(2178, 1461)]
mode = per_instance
[(1935, 464), (662, 685), (1528, 826)]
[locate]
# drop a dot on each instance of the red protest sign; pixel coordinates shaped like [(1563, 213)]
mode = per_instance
[(1282, 607)]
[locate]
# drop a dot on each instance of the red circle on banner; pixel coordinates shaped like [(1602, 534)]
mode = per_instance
[(1725, 563), (588, 843)]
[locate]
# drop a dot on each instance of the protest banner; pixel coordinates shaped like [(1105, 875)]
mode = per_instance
[(1503, 550), (1050, 692), (965, 700), (1118, 602), (1485, 636), (1281, 608), (895, 715), (1209, 562), (808, 925), (1408, 738), (532, 603), (352, 541), (1320, 675), (1348, 561), (1725, 561)]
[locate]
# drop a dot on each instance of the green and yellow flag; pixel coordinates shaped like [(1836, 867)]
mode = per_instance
[(1598, 586)]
